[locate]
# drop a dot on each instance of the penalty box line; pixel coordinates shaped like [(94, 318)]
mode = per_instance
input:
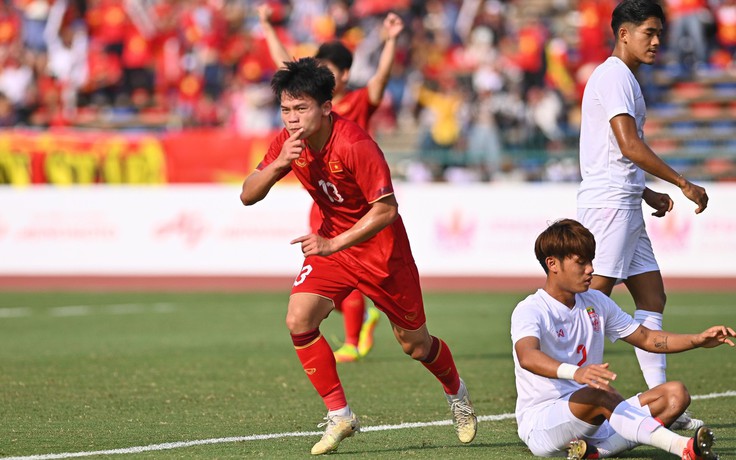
[(263, 437)]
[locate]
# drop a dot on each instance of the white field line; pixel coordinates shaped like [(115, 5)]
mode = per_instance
[(15, 312), (296, 434), (85, 310)]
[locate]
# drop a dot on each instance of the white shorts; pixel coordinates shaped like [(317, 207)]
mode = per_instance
[(623, 248), (553, 427)]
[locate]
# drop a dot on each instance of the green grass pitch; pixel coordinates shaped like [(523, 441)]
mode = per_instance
[(88, 372)]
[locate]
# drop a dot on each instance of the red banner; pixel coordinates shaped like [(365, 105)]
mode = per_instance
[(71, 157)]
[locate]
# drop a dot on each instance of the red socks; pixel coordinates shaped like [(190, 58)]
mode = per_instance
[(319, 364), (440, 363), (353, 311)]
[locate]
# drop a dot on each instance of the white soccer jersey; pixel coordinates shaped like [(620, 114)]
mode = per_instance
[(610, 180), (573, 336)]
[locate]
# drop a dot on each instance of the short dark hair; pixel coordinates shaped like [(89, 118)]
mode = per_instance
[(564, 238), (305, 77), (635, 12), (336, 53)]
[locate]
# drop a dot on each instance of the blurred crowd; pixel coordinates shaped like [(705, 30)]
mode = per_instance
[(474, 79)]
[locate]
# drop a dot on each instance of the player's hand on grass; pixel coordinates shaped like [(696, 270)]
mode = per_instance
[(595, 376), (696, 194), (661, 202), (715, 336), (292, 149), (314, 245)]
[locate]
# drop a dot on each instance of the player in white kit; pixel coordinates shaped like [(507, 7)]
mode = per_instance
[(613, 160), (564, 398)]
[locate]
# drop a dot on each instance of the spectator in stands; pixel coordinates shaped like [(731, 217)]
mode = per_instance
[(686, 34), (16, 76), (725, 17), (8, 117), (66, 42), (441, 103)]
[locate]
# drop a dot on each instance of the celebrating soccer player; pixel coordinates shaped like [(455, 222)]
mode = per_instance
[(357, 105), (361, 244), (565, 400)]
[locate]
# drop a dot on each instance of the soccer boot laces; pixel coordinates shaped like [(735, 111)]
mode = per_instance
[(463, 414), (338, 428)]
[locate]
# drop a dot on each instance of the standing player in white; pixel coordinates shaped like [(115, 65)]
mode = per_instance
[(564, 397), (613, 160)]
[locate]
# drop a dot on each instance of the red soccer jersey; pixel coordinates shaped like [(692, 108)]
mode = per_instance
[(344, 179), (356, 106)]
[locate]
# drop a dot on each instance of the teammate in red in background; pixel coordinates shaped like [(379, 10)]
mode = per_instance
[(361, 244), (356, 105)]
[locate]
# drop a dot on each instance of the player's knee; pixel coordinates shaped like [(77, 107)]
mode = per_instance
[(297, 324), (678, 398), (416, 350)]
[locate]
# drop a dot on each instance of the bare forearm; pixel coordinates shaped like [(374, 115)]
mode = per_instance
[(539, 363), (378, 218), (641, 154), (377, 83), (276, 49), (258, 184), (663, 341)]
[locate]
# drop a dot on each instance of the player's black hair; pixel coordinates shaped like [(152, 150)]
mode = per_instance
[(336, 53), (305, 77), (635, 12), (564, 238)]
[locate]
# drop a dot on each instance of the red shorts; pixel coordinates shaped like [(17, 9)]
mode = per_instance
[(399, 295)]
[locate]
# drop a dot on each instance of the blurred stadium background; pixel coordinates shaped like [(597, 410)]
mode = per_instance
[(129, 124)]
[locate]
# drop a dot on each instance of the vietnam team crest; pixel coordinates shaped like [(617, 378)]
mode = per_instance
[(594, 319)]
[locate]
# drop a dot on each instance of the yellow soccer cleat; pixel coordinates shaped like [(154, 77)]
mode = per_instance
[(365, 340), (347, 353), (338, 428)]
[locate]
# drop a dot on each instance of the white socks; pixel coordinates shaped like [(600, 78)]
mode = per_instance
[(652, 365), (344, 412), (635, 425), (669, 441)]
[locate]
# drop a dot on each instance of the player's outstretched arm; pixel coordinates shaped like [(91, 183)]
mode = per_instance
[(276, 49), (533, 359), (392, 27), (382, 213), (636, 150), (669, 342)]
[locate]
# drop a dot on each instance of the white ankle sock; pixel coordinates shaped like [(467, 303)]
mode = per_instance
[(344, 412), (669, 441), (653, 365), (616, 444)]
